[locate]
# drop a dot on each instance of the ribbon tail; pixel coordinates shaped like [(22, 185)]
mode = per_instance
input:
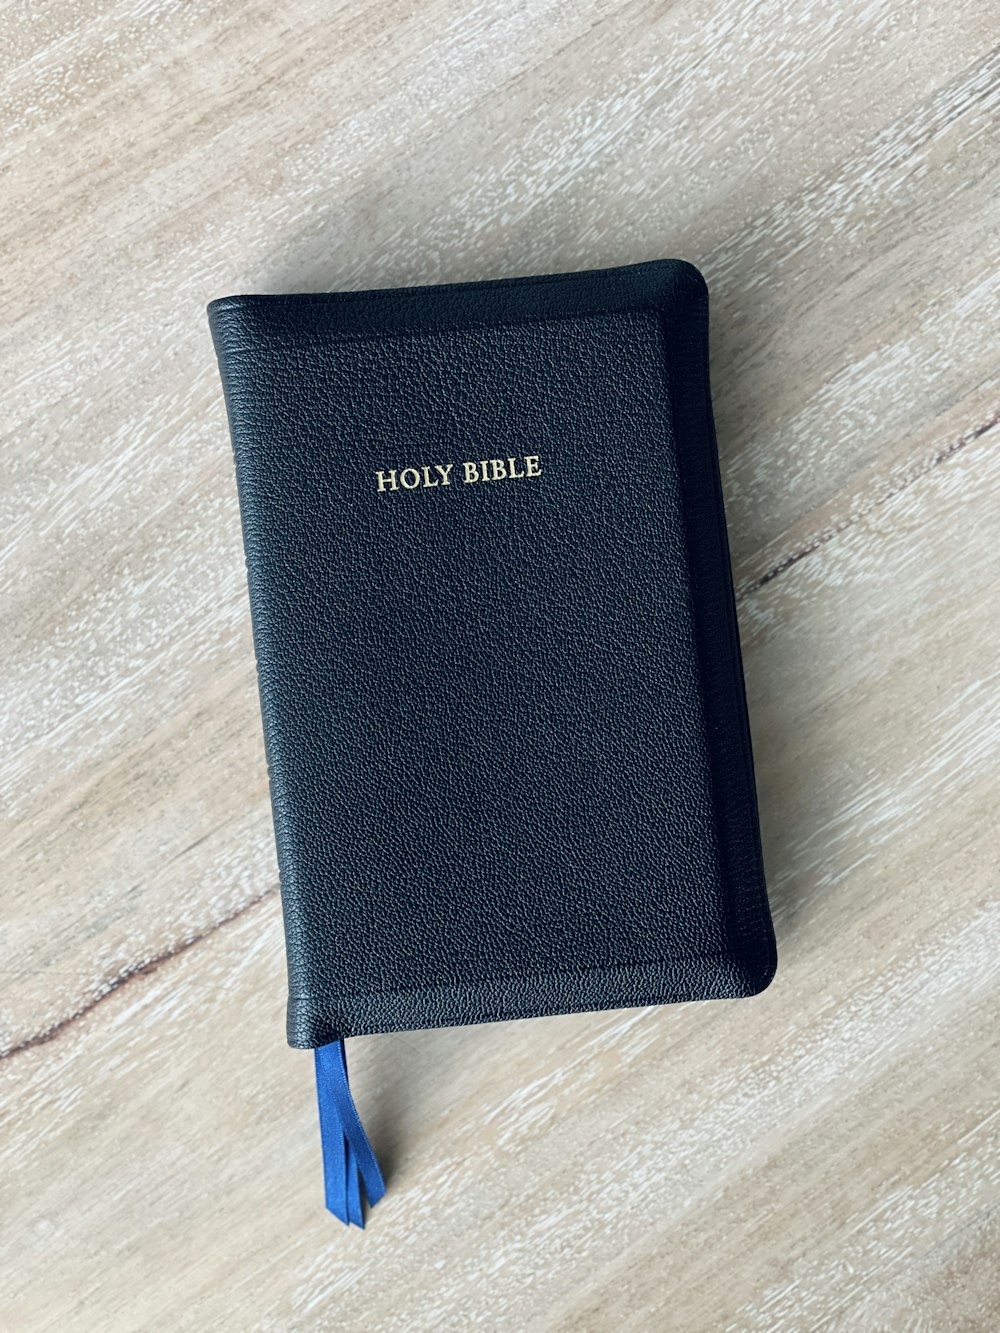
[(348, 1159)]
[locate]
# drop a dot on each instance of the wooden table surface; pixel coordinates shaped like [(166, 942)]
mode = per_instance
[(826, 1156)]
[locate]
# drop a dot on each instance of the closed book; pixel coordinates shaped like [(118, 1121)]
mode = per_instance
[(498, 657)]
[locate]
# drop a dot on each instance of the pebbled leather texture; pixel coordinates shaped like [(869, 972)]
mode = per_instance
[(505, 721)]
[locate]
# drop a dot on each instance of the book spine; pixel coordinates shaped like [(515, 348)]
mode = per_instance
[(236, 344)]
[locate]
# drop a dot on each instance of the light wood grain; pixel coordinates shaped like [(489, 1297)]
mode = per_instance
[(823, 1157)]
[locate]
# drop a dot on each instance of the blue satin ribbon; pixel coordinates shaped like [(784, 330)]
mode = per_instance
[(348, 1160)]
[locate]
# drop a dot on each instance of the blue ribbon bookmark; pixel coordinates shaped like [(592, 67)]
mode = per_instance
[(348, 1160)]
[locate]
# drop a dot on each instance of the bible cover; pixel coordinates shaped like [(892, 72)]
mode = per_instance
[(498, 657), (497, 648)]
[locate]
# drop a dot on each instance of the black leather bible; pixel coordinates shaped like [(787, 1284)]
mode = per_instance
[(498, 656)]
